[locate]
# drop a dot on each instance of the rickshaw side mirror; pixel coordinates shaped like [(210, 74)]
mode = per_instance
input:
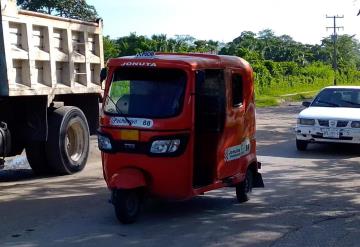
[(103, 75)]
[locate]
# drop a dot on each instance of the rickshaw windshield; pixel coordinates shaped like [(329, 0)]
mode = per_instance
[(146, 92)]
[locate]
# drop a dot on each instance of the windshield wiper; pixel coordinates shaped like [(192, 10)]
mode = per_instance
[(328, 103), (119, 111), (350, 102)]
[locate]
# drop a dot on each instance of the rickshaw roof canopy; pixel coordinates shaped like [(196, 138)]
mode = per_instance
[(194, 60)]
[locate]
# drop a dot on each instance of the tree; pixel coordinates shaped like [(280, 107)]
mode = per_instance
[(44, 6), (348, 53), (279, 62), (76, 9), (111, 48), (183, 43), (205, 46), (133, 44), (159, 43), (266, 34)]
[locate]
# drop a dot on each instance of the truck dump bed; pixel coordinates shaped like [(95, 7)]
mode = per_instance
[(47, 55)]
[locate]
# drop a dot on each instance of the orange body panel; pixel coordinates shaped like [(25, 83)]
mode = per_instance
[(172, 177), (166, 177), (128, 178)]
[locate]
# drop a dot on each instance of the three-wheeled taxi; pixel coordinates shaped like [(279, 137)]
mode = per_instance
[(175, 126)]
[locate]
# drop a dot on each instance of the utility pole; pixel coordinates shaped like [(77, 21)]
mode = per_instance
[(334, 39)]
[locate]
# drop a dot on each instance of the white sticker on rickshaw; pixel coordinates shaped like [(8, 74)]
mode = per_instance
[(135, 122), (236, 152)]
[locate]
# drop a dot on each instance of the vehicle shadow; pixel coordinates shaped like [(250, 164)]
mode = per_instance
[(16, 175), (293, 203), (282, 144), (18, 169)]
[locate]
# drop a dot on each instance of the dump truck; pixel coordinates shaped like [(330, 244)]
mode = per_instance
[(49, 88)]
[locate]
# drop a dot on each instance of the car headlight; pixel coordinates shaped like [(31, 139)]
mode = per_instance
[(306, 121), (355, 124), (104, 143), (165, 146)]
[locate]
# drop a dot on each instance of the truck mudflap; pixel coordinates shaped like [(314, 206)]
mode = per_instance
[(257, 180), (5, 143)]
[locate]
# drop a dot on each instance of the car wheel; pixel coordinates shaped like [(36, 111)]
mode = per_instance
[(244, 188), (301, 145)]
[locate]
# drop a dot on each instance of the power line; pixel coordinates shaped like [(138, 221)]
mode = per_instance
[(334, 39)]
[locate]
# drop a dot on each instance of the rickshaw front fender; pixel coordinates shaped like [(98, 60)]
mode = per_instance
[(127, 178)]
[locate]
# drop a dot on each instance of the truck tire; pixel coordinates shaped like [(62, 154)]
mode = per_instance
[(67, 148), (35, 154)]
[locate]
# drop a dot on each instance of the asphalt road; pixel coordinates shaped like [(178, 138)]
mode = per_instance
[(311, 198)]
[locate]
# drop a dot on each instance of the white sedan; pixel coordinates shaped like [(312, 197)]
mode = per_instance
[(332, 117)]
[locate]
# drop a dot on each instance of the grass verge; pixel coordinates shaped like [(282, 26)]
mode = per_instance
[(276, 96), (270, 100)]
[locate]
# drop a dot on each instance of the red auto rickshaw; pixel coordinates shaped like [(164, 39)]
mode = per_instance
[(174, 126)]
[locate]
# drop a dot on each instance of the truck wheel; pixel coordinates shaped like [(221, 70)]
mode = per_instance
[(35, 153), (301, 145), (67, 148), (244, 188), (126, 205)]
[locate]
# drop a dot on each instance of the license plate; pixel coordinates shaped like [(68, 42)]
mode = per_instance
[(331, 133), (129, 135)]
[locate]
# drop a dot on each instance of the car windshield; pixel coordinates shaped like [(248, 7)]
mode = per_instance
[(338, 97), (146, 92)]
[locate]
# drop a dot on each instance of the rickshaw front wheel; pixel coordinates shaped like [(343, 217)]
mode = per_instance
[(245, 187), (127, 205)]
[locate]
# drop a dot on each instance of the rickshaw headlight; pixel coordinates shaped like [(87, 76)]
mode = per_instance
[(165, 146), (104, 143)]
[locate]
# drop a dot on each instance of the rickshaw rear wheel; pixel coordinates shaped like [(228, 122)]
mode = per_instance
[(244, 188), (126, 205)]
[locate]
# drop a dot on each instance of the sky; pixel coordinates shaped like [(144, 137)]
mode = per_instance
[(304, 20)]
